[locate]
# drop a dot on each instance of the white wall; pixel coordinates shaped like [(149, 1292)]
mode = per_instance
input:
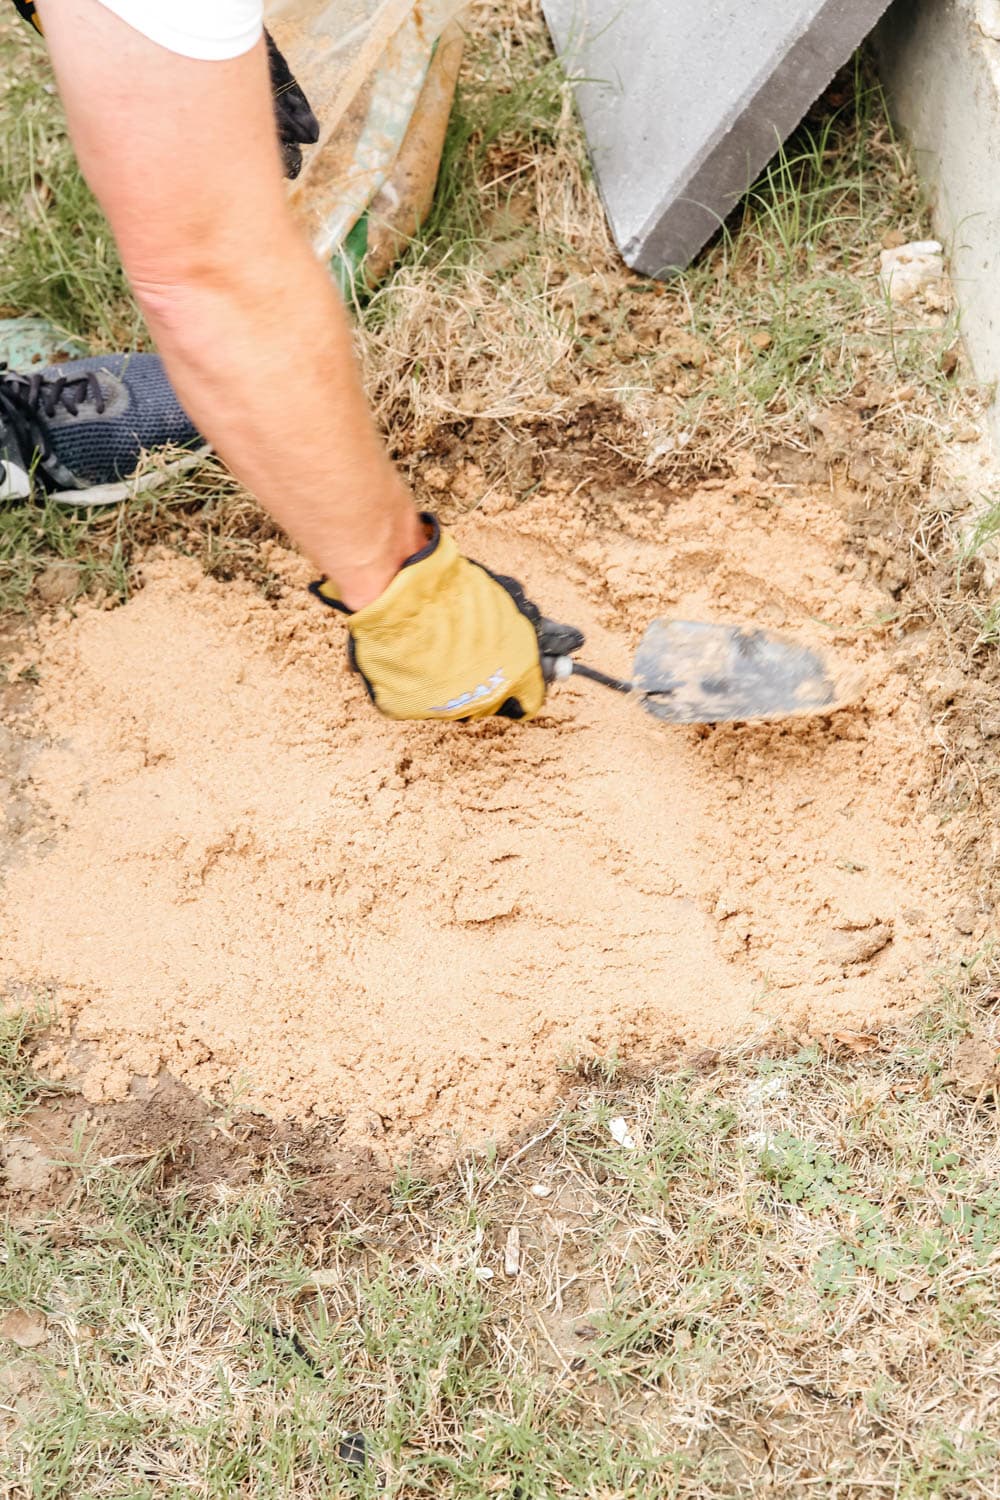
[(942, 79)]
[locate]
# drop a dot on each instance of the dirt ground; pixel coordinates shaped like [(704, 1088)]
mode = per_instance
[(224, 874), (721, 1006), (239, 878)]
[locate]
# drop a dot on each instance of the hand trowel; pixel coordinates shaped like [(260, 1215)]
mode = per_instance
[(694, 673)]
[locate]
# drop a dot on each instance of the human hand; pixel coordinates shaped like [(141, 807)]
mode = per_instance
[(449, 640)]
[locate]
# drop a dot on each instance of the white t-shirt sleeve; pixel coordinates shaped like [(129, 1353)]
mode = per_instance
[(209, 29)]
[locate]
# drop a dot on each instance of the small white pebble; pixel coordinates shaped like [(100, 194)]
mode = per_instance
[(512, 1252), (988, 18), (619, 1132)]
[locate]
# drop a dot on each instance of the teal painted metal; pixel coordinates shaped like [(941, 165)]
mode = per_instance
[(34, 341)]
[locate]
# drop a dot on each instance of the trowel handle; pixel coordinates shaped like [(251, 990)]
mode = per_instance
[(558, 668)]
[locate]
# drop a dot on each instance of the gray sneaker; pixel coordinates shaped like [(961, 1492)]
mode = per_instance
[(77, 431)]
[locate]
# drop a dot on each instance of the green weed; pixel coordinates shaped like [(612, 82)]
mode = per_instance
[(19, 1083)]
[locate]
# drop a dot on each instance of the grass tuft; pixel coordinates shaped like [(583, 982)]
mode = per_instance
[(787, 1282), (59, 260), (20, 1085)]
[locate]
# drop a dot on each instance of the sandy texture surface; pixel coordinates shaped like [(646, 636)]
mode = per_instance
[(239, 873)]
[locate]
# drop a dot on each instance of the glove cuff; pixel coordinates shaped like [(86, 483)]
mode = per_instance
[(439, 546)]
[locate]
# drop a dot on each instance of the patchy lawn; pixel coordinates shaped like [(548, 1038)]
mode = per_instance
[(779, 1274)]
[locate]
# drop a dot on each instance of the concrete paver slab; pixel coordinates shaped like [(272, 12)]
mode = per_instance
[(683, 101)]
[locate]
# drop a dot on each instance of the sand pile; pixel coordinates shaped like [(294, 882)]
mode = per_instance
[(239, 873)]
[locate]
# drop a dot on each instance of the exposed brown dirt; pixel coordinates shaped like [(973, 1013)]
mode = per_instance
[(233, 872), (42, 1155)]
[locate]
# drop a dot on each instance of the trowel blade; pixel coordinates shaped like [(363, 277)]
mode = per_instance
[(707, 674)]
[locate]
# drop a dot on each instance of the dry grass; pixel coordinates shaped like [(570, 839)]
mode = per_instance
[(786, 1284), (511, 319), (514, 312)]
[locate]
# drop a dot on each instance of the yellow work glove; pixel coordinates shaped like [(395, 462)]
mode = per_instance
[(447, 639)]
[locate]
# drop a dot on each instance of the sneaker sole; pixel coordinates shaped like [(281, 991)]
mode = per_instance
[(125, 489)]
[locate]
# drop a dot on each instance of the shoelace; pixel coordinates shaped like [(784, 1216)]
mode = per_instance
[(28, 402)]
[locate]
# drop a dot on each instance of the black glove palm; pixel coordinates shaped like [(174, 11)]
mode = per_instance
[(297, 125)]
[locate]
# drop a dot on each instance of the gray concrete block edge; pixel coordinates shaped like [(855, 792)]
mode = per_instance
[(771, 107)]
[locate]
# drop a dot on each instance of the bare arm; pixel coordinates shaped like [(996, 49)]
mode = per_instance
[(183, 158)]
